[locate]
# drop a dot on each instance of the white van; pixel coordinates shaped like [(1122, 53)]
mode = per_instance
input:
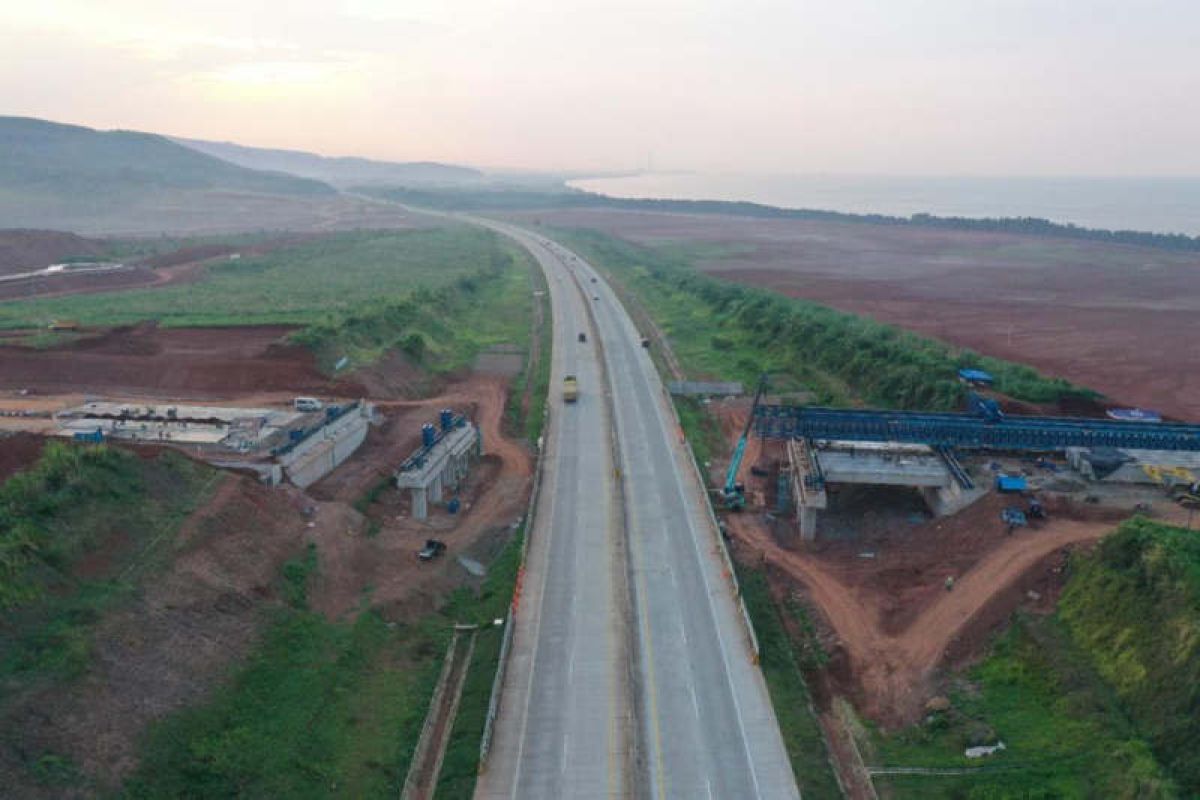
[(307, 404)]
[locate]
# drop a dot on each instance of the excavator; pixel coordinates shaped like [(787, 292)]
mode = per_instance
[(733, 494)]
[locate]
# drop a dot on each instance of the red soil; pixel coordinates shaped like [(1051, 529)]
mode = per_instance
[(1122, 320), (196, 362), (493, 497), (890, 621), (18, 451)]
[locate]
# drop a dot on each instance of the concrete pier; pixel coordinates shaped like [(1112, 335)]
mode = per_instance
[(429, 473)]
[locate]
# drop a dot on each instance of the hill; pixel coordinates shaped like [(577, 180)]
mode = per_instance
[(338, 170), (76, 178)]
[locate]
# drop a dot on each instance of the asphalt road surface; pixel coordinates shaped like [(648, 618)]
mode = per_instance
[(631, 673)]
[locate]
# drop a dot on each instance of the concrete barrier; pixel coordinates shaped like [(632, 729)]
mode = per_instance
[(510, 623)]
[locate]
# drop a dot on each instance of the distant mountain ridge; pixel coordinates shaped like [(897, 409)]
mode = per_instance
[(339, 170), (70, 177), (50, 157)]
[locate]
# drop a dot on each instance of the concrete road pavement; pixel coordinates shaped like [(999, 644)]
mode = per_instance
[(667, 702)]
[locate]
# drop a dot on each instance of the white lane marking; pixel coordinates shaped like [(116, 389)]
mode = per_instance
[(537, 630), (656, 402)]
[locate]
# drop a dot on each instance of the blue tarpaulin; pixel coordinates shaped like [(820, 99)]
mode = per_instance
[(975, 376), (1010, 483)]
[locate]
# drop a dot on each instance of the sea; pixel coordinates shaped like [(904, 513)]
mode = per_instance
[(1159, 205)]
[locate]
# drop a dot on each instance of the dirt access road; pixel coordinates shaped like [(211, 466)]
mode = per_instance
[(1119, 319), (879, 585), (891, 670)]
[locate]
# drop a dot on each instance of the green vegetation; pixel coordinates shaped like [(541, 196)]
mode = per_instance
[(525, 412), (1096, 701), (1064, 736), (320, 710), (441, 329), (461, 763), (701, 429), (336, 274), (1134, 606), (802, 733), (332, 709), (75, 501), (733, 332)]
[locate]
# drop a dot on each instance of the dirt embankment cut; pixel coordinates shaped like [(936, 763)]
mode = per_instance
[(173, 362)]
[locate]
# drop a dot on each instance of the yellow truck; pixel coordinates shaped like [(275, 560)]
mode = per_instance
[(570, 389)]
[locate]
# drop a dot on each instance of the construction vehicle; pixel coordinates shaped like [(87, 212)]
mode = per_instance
[(733, 494), (570, 389), (1035, 510), (1013, 517), (432, 549)]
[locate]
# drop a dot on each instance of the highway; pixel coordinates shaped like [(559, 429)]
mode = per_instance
[(631, 672)]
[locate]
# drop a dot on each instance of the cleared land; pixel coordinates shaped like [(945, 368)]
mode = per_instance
[(1117, 319), (205, 635), (296, 284)]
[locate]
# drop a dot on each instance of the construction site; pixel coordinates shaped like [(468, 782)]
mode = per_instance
[(914, 536)]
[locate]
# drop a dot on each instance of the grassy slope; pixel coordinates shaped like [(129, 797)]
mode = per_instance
[(441, 329), (325, 709), (802, 734), (74, 502), (723, 330), (1135, 608), (299, 285), (1098, 701)]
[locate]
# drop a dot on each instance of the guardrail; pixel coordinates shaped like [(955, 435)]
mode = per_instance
[(716, 526)]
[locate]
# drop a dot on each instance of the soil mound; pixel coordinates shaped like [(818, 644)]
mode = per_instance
[(192, 362), (23, 250)]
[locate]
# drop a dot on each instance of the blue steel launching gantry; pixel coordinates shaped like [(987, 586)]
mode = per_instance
[(985, 427), (916, 449)]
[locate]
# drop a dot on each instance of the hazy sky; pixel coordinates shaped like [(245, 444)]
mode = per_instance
[(942, 87)]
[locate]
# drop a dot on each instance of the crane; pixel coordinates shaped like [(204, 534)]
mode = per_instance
[(733, 494)]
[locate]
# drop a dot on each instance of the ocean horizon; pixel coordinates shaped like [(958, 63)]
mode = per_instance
[(1158, 205)]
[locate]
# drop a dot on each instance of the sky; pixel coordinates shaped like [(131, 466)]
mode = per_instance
[(884, 87)]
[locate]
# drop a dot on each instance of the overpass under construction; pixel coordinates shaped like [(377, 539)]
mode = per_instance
[(828, 445)]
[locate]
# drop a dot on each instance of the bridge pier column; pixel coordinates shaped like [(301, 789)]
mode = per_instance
[(808, 522), (420, 504)]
